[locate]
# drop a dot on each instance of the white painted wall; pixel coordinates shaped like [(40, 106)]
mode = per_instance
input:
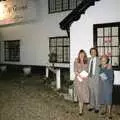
[(81, 31), (35, 35)]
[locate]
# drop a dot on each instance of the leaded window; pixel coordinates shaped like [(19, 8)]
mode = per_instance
[(59, 48), (107, 41), (12, 50), (62, 5)]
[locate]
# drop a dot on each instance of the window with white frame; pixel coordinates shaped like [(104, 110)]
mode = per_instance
[(107, 41), (59, 48), (62, 5), (12, 50)]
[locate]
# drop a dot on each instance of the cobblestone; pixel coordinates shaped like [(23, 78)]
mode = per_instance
[(25, 98)]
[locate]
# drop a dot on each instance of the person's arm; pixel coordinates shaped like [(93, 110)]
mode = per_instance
[(75, 67), (110, 74)]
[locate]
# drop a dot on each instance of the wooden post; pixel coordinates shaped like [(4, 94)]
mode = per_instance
[(47, 72), (58, 82), (57, 73)]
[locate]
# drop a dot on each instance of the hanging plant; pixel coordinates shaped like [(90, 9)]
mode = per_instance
[(52, 57)]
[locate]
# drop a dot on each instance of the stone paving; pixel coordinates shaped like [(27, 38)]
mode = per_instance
[(26, 98)]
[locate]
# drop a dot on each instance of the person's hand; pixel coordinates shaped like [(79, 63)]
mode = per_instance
[(76, 73), (84, 78), (101, 78)]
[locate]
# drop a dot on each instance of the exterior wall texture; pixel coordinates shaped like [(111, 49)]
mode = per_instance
[(34, 35), (81, 31)]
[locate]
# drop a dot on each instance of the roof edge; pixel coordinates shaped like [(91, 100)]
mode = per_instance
[(76, 13)]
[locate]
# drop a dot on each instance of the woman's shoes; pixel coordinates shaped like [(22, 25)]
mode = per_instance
[(109, 116), (96, 111), (80, 114), (90, 109)]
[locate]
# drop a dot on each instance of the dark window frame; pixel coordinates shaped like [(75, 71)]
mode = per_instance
[(109, 25), (70, 6), (16, 51), (57, 46)]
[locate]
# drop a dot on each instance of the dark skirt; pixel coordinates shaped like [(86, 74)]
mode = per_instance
[(106, 93)]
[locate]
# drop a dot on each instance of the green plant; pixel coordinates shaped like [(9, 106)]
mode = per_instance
[(52, 57)]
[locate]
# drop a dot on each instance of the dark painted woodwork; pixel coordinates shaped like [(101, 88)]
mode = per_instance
[(76, 14)]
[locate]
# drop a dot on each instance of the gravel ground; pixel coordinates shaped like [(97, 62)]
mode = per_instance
[(26, 98)]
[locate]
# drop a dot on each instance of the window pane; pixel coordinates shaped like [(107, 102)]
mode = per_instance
[(66, 42), (115, 41), (60, 46), (107, 31), (59, 41), (52, 5), (115, 61), (12, 50), (65, 4), (100, 42), (110, 60), (78, 2), (53, 42), (58, 5), (52, 49), (59, 54), (114, 31), (115, 51), (72, 4), (66, 54), (100, 32), (6, 55), (62, 5), (101, 51), (107, 51), (107, 41)]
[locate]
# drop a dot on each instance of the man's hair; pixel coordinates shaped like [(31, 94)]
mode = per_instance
[(95, 50)]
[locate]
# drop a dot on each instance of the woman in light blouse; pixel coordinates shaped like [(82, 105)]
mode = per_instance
[(81, 85)]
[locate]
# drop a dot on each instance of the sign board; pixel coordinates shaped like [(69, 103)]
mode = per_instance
[(14, 11)]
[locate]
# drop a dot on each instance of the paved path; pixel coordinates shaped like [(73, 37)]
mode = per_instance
[(28, 99)]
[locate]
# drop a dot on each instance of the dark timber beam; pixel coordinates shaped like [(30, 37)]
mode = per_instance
[(76, 14)]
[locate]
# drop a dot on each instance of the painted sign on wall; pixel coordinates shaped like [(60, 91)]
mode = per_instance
[(14, 11)]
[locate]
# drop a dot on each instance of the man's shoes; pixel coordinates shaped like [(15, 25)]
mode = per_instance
[(80, 114), (103, 113), (110, 116), (90, 109), (96, 111)]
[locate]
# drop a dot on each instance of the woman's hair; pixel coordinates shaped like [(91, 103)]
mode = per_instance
[(95, 50), (105, 56), (85, 56)]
